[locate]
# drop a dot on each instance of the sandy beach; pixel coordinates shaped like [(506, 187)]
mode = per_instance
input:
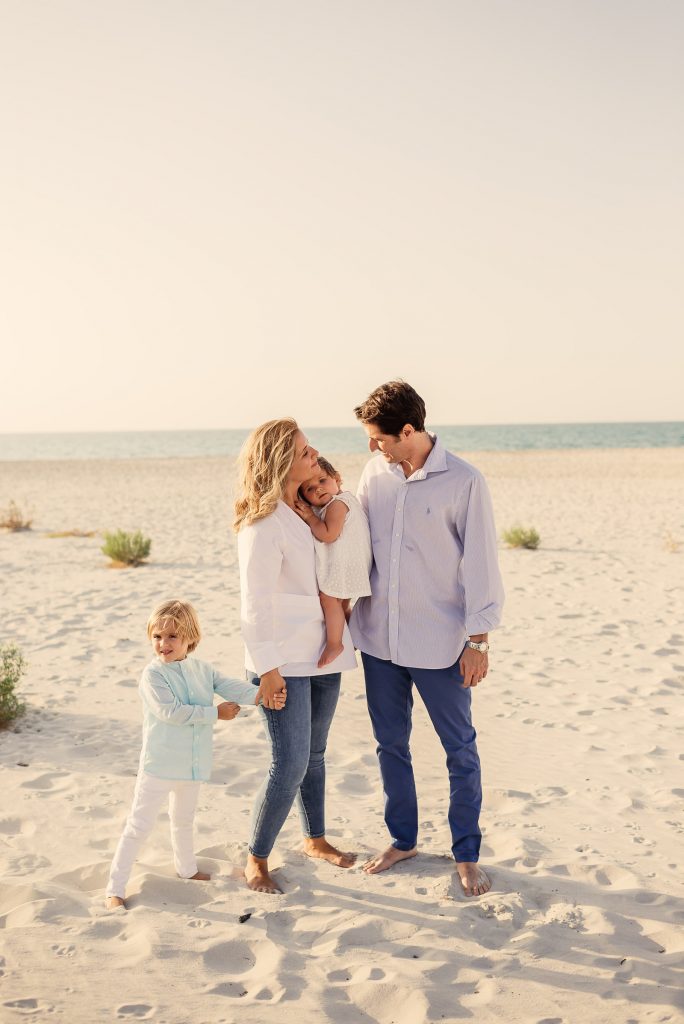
[(581, 735)]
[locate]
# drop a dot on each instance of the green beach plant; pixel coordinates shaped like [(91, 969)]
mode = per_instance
[(126, 548), (14, 518), (521, 537), (12, 667)]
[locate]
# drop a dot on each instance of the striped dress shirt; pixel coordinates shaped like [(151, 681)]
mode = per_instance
[(435, 579)]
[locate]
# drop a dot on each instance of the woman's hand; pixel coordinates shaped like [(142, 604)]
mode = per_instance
[(272, 691)]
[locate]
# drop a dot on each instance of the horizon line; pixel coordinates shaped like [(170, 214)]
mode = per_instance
[(339, 426)]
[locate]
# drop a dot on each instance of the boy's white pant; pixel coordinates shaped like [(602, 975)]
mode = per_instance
[(150, 793)]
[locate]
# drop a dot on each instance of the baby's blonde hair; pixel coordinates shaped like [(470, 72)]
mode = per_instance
[(181, 616), (264, 464)]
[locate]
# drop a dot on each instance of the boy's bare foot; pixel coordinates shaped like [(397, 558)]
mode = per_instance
[(199, 876), (113, 902), (474, 879), (258, 878), (387, 859), (321, 849), (330, 652)]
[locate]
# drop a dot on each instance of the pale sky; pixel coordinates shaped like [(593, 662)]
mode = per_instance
[(213, 213)]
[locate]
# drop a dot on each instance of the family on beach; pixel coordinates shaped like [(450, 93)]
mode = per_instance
[(415, 552)]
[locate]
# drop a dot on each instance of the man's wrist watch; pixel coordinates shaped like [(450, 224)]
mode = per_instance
[(482, 647)]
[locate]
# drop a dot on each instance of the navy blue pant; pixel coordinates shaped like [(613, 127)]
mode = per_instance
[(389, 690)]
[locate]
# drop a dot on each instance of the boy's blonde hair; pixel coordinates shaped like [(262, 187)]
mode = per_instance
[(181, 616), (264, 464)]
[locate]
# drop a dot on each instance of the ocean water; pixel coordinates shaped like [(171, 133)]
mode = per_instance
[(163, 444)]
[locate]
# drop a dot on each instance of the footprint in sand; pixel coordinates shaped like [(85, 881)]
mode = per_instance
[(29, 1006), (10, 826), (231, 989), (386, 1001), (47, 782), (89, 878)]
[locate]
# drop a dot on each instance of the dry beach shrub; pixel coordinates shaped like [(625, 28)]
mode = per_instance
[(14, 518), (126, 549), (521, 537), (12, 667)]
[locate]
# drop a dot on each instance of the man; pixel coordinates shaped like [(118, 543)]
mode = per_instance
[(436, 593)]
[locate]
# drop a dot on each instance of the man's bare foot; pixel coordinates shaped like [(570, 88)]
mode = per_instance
[(387, 859), (199, 876), (474, 879), (330, 652), (322, 849), (258, 878), (114, 902)]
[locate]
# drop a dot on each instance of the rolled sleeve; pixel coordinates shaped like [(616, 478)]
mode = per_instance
[(235, 690), (163, 703), (481, 579), (261, 557)]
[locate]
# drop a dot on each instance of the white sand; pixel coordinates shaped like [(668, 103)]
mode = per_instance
[(580, 733)]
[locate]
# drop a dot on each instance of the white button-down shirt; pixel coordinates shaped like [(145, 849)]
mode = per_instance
[(435, 579), (282, 618)]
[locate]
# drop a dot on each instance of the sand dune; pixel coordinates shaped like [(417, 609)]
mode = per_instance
[(580, 730)]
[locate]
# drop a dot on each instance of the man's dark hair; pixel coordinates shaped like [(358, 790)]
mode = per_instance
[(391, 407)]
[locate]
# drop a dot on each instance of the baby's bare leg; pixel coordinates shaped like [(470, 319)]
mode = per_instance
[(333, 613)]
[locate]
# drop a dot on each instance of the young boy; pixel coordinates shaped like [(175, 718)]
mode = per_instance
[(178, 719)]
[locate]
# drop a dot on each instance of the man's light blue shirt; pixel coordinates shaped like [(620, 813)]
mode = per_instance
[(179, 715), (435, 579)]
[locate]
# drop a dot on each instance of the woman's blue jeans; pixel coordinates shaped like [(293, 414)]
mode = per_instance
[(298, 736)]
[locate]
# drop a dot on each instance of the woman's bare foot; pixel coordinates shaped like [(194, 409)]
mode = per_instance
[(199, 876), (113, 902), (387, 859), (330, 652), (474, 879), (322, 849), (258, 878)]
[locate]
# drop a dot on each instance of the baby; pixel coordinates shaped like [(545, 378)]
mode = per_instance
[(343, 550), (178, 718)]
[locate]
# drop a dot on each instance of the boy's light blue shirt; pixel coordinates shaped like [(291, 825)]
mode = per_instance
[(179, 715)]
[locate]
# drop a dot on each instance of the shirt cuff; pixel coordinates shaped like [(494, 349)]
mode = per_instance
[(265, 657), (482, 622)]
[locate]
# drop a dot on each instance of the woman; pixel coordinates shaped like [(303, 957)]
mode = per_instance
[(284, 634)]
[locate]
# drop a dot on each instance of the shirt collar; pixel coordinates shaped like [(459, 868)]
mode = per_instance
[(435, 463)]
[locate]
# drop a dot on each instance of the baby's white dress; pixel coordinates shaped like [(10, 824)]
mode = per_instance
[(343, 567)]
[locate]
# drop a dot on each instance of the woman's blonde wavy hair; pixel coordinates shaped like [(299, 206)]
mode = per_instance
[(263, 466)]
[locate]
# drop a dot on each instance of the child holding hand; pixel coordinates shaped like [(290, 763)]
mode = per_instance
[(343, 550), (177, 693)]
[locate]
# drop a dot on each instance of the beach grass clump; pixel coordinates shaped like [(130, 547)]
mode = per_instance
[(521, 537), (15, 518), (12, 668), (126, 549)]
